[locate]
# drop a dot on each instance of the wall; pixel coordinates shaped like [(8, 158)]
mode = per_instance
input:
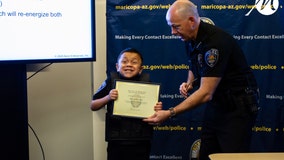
[(58, 111), (99, 77), (58, 106)]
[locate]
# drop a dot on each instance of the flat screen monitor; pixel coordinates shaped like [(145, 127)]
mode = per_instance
[(39, 31)]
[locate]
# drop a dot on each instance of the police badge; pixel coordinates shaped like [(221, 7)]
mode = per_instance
[(211, 57), (200, 60)]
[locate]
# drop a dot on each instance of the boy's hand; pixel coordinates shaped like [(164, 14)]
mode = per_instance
[(113, 94), (158, 106)]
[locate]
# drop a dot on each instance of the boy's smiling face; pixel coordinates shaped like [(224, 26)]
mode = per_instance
[(129, 64)]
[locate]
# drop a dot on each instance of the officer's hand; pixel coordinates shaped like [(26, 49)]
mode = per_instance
[(184, 88), (158, 118)]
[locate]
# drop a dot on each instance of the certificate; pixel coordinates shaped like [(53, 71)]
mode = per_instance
[(135, 99)]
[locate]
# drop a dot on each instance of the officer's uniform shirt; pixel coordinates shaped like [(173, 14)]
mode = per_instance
[(216, 54), (226, 124)]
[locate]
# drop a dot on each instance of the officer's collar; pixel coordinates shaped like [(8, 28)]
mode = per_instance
[(202, 33)]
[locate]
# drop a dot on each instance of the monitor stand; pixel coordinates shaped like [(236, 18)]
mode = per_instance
[(13, 109)]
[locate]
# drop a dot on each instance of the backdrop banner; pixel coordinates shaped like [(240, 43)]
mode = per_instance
[(258, 26)]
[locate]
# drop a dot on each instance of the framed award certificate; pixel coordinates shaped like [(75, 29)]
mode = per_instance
[(135, 98)]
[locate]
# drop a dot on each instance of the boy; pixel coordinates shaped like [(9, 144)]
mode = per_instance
[(128, 138)]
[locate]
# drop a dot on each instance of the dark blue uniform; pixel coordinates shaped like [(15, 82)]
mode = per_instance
[(230, 115), (128, 138)]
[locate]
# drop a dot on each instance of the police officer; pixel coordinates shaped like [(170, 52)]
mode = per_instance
[(225, 83)]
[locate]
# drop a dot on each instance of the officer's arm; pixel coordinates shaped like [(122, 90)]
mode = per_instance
[(190, 77), (202, 95)]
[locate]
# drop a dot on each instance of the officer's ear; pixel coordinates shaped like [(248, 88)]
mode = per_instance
[(191, 19)]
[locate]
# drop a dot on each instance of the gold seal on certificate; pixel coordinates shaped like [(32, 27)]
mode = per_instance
[(135, 98)]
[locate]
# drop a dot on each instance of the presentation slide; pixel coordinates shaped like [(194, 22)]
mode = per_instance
[(45, 29)]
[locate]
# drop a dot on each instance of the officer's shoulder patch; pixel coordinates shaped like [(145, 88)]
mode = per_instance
[(211, 57)]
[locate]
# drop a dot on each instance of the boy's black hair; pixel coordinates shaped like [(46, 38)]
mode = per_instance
[(130, 50)]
